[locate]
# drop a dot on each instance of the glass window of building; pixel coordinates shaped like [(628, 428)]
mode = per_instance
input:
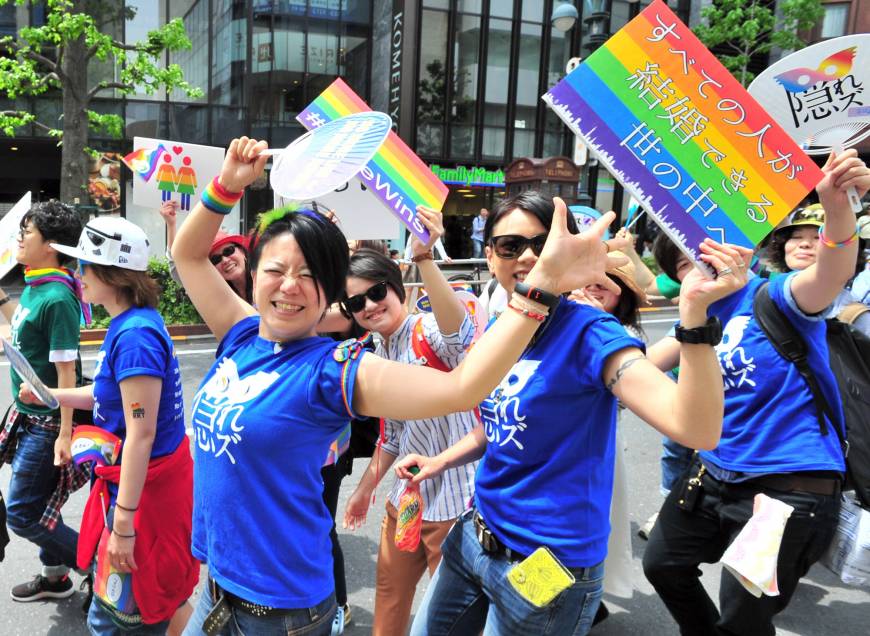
[(144, 16), (495, 109), (533, 10), (229, 52), (193, 61), (527, 99), (834, 20), (501, 8), (466, 56), (432, 85), (555, 132)]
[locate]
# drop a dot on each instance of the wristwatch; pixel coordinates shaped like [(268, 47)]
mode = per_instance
[(537, 295), (710, 333)]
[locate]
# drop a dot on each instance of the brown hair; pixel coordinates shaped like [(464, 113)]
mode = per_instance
[(137, 288)]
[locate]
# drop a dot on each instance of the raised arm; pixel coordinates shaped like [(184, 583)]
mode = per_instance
[(446, 306), (403, 392), (689, 412), (816, 287), (215, 301)]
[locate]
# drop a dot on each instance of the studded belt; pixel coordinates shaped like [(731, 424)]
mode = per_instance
[(245, 606)]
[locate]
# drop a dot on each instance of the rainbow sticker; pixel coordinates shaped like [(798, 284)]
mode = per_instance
[(396, 175), (94, 444)]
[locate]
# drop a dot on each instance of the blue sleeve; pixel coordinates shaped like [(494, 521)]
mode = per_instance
[(330, 390), (139, 351), (601, 338), (780, 292)]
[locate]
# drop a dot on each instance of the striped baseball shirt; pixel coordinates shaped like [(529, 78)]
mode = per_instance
[(445, 496)]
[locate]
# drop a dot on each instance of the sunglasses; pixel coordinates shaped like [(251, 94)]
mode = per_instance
[(510, 246), (375, 293), (80, 267), (226, 252)]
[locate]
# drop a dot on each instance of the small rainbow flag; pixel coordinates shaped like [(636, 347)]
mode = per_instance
[(144, 163), (338, 447), (682, 135), (396, 175), (113, 588), (94, 444)]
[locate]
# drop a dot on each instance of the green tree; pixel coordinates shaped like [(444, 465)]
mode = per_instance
[(751, 27), (54, 58)]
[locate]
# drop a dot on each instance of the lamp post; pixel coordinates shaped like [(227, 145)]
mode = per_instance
[(565, 16)]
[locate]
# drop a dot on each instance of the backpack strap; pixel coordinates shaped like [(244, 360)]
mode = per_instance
[(851, 312), (786, 339)]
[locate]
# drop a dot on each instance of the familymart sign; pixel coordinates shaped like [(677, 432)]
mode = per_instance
[(473, 176)]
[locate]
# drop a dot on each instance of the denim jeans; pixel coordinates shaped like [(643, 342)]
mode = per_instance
[(681, 540), (101, 624), (674, 462), (34, 478), (476, 249), (314, 621), (470, 592)]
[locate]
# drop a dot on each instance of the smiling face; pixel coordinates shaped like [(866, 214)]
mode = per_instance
[(801, 249), (509, 272), (684, 266), (608, 299), (94, 290), (289, 300), (33, 249), (383, 316), (231, 267)]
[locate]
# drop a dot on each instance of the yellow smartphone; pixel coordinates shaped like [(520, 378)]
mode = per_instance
[(540, 577)]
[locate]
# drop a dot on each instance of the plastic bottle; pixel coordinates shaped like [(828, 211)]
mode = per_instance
[(409, 520)]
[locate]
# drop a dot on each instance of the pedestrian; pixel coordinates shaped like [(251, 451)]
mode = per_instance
[(772, 438), (278, 395), (477, 226), (36, 439), (136, 524), (544, 485), (376, 300)]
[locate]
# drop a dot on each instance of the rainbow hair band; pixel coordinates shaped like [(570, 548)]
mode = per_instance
[(218, 199)]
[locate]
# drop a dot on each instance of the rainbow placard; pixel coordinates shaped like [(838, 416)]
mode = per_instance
[(94, 444), (396, 175), (682, 135)]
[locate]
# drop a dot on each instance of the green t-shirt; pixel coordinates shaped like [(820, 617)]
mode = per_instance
[(668, 287), (46, 320)]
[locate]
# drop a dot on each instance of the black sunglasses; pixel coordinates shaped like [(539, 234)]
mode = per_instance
[(375, 293), (512, 245), (226, 252)]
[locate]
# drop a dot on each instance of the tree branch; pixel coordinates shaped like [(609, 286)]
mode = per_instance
[(16, 113), (106, 85), (123, 46)]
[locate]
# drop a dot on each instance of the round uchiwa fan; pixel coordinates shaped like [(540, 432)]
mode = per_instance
[(327, 157), (820, 95)]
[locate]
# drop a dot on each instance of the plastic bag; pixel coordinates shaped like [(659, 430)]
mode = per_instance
[(409, 520)]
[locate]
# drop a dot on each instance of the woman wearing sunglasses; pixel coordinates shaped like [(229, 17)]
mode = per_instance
[(228, 253), (376, 300), (278, 395), (137, 519), (543, 488)]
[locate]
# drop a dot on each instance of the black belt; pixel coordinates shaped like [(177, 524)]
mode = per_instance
[(490, 543), (246, 606), (829, 486)]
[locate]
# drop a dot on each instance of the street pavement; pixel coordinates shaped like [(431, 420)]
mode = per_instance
[(821, 606)]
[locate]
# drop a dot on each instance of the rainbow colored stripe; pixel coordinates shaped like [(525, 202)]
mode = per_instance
[(113, 588), (597, 102), (395, 174), (339, 446), (94, 444), (144, 163)]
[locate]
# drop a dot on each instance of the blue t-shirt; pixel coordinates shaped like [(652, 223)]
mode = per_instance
[(546, 478), (770, 423), (137, 343), (264, 418)]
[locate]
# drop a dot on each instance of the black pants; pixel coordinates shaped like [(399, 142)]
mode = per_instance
[(681, 540), (332, 476)]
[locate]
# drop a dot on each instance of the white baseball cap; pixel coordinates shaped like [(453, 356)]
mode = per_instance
[(110, 240)]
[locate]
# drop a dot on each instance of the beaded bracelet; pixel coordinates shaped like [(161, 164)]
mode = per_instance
[(218, 199), (829, 243), (528, 312)]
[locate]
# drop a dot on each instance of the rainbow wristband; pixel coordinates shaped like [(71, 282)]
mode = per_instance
[(829, 243), (218, 199)]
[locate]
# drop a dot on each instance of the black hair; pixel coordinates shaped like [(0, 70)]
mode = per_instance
[(57, 223), (377, 246), (775, 250), (627, 310), (529, 201), (375, 266), (323, 247), (666, 254)]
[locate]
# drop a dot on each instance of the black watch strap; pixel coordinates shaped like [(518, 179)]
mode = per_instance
[(537, 295), (710, 333)]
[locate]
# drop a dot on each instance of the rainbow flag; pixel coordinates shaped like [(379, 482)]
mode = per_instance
[(142, 162), (396, 175), (94, 444), (113, 588), (682, 135)]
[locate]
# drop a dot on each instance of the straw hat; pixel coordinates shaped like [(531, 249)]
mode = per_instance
[(626, 273)]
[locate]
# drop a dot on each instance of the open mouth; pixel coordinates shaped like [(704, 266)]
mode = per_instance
[(287, 308), (375, 315)]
